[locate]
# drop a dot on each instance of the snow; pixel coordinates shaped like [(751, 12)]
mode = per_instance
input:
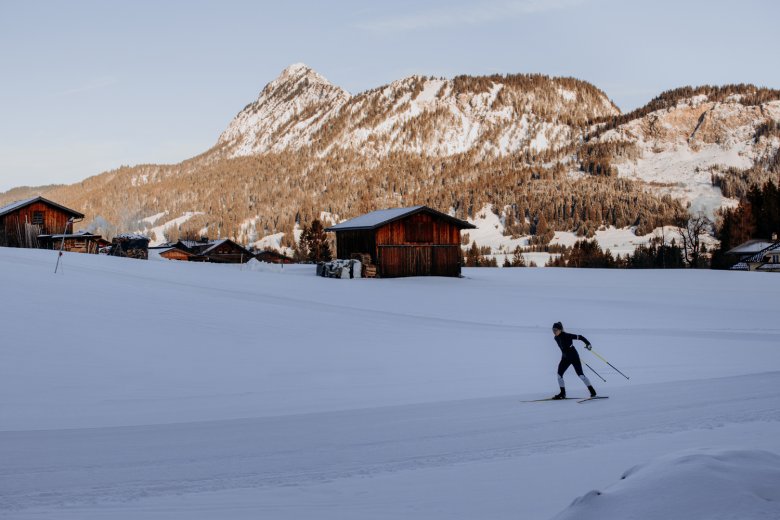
[(154, 218), (157, 233), (712, 483), (219, 391), (430, 91), (619, 241), (567, 94), (540, 142), (17, 204), (686, 174)]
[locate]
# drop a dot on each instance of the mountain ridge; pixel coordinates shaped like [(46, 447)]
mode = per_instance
[(546, 153)]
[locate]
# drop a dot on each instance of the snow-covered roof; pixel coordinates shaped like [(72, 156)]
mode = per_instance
[(213, 245), (132, 236), (750, 247), (78, 234), (22, 203), (383, 216)]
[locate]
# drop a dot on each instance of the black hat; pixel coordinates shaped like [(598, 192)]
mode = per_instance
[(558, 325)]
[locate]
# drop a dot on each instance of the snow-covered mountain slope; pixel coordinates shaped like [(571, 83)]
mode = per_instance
[(215, 391), (287, 113), (680, 147), (441, 117)]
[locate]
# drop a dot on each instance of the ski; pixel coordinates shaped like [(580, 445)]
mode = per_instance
[(594, 398), (550, 399)]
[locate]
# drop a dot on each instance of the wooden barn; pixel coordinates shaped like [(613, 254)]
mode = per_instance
[(416, 241), (23, 221)]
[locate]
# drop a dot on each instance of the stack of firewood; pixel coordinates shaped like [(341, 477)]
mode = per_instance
[(368, 269)]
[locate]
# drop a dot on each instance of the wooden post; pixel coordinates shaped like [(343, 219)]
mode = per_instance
[(62, 245)]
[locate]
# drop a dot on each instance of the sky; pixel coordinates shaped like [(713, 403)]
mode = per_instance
[(88, 86)]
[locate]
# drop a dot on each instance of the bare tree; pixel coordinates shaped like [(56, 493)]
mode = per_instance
[(691, 234)]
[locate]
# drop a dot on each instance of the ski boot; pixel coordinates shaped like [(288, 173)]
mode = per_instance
[(560, 396)]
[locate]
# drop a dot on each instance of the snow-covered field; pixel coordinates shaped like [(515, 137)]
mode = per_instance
[(169, 390)]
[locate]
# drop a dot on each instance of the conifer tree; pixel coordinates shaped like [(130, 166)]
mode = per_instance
[(315, 242)]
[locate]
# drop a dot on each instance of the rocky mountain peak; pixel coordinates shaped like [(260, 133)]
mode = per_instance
[(269, 123)]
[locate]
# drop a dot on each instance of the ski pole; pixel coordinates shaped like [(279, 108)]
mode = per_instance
[(590, 367), (608, 363)]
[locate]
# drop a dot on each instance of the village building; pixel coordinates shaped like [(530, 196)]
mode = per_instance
[(175, 253), (757, 255), (224, 251), (22, 222), (78, 242), (273, 257), (415, 241)]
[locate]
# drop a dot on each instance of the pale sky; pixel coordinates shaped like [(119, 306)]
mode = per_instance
[(88, 86)]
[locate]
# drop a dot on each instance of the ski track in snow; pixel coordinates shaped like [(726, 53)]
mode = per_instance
[(90, 466), (256, 296)]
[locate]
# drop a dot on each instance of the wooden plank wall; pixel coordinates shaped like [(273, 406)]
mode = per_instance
[(54, 220), (421, 228), (422, 260)]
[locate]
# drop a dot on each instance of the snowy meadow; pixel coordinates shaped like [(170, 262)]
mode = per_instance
[(171, 390)]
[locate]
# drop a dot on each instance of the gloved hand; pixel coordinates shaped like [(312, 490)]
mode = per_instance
[(588, 346)]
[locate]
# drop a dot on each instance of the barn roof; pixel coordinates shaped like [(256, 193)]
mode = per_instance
[(381, 217), (26, 202)]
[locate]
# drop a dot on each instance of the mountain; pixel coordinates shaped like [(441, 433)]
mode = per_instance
[(543, 153), (699, 144), (496, 115)]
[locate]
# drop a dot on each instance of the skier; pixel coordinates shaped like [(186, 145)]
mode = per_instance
[(569, 357)]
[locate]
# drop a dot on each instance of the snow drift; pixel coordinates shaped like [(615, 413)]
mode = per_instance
[(690, 485)]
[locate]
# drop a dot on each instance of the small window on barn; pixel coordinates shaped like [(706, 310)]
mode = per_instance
[(37, 218), (417, 231)]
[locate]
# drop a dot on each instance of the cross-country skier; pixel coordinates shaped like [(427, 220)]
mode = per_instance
[(569, 357)]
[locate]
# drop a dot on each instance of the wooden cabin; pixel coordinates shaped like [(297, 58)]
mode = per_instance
[(416, 241), (78, 242), (757, 255), (226, 251), (22, 222), (273, 257), (223, 251), (174, 253)]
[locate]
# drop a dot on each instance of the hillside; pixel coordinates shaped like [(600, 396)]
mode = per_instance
[(547, 154)]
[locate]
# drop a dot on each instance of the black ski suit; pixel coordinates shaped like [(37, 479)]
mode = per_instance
[(569, 355)]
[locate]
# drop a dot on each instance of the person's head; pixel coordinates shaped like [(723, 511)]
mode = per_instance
[(557, 327)]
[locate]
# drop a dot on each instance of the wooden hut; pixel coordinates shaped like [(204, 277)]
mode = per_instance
[(174, 253), (226, 251), (273, 257), (78, 242), (416, 241), (23, 221), (223, 251)]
